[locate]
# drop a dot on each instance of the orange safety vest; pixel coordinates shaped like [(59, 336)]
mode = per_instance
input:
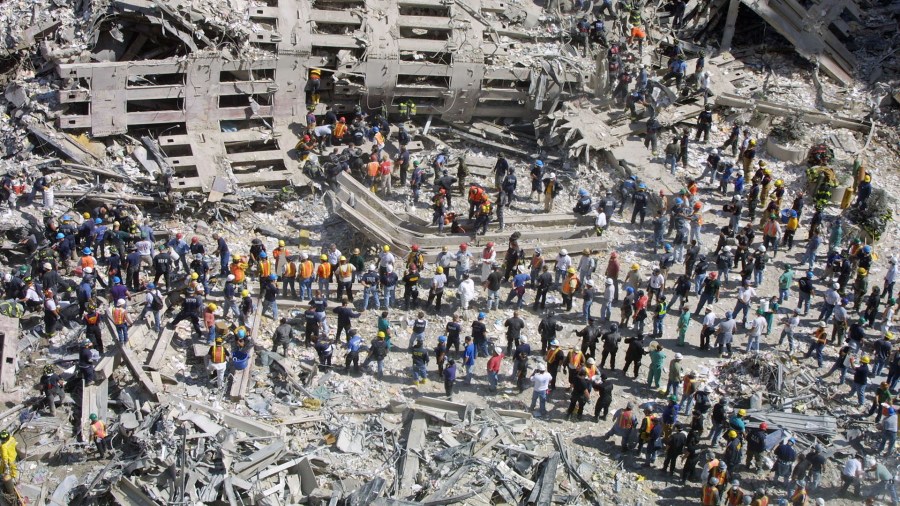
[(88, 261), (119, 316), (306, 269), (709, 495), (591, 370), (771, 228), (290, 270), (379, 139), (568, 287), (340, 130), (575, 359), (218, 354), (324, 270), (92, 320), (345, 270), (551, 354), (372, 169), (626, 420), (277, 252), (265, 269), (238, 272), (735, 497), (99, 429)]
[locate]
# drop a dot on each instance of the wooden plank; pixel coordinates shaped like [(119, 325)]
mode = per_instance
[(155, 360), (241, 379)]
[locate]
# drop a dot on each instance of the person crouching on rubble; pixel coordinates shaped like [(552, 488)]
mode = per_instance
[(218, 361), (325, 350)]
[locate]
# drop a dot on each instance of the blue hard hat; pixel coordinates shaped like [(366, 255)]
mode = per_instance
[(642, 186), (86, 251), (151, 286), (679, 201), (793, 213), (98, 220), (668, 247), (727, 314), (376, 130), (809, 274), (845, 300), (263, 254), (60, 235), (273, 277), (117, 279), (867, 249), (481, 316), (582, 192), (633, 178), (629, 290), (442, 339), (242, 333), (539, 163)]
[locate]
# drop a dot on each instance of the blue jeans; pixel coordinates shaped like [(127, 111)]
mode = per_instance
[(672, 387), (889, 439), (461, 271), (324, 287), (369, 292), (758, 276), (122, 332), (470, 371), (390, 295), (860, 390), (827, 310), (783, 295), (606, 310), (156, 316), (273, 305), (224, 261), (542, 396), (419, 373), (229, 305), (586, 308), (716, 433), (211, 334), (753, 343), (658, 325), (723, 276), (493, 378), (698, 282), (493, 299), (671, 163), (306, 288), (558, 276), (741, 306)]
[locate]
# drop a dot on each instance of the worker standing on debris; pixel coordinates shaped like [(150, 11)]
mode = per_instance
[(657, 359), (581, 388), (469, 354), (218, 360), (283, 336), (551, 190), (122, 321), (162, 267), (536, 175), (190, 310), (51, 385), (419, 362), (8, 455)]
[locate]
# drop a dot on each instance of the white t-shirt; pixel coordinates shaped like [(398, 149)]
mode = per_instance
[(541, 381), (760, 325), (438, 281), (852, 467), (710, 319)]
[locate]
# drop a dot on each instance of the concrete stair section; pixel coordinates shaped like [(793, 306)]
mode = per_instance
[(371, 215)]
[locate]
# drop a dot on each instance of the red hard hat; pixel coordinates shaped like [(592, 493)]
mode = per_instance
[(373, 157), (463, 246), (764, 426), (343, 119), (195, 239), (306, 138), (179, 236), (415, 247), (713, 275)]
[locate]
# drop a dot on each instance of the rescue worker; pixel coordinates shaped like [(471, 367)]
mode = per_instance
[(218, 361), (52, 387), (101, 438)]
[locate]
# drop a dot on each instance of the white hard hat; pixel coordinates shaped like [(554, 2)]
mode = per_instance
[(540, 366), (230, 277), (679, 356), (564, 252), (371, 267), (498, 350), (523, 340), (390, 268), (304, 255), (120, 302)]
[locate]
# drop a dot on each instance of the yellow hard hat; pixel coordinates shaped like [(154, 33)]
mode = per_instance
[(343, 259), (439, 270), (862, 271), (742, 412), (888, 335), (86, 215), (381, 334), (571, 270), (635, 267), (386, 248), (753, 142), (779, 183), (315, 72), (866, 359), (245, 293), (212, 307), (323, 257), (281, 243), (762, 163), (868, 178), (194, 275), (767, 172), (732, 434)]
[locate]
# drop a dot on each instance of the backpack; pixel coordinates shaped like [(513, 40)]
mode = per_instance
[(157, 303)]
